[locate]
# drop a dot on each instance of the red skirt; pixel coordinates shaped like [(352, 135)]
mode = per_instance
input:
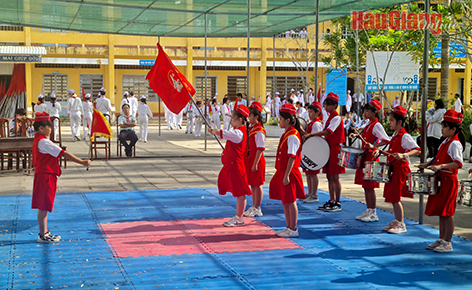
[(232, 178), (332, 167), (287, 193), (397, 188), (359, 179), (444, 203), (44, 191), (255, 178)]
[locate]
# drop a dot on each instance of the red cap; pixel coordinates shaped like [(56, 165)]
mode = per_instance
[(377, 105), (42, 117), (243, 110), (453, 117), (317, 105), (288, 108), (257, 106), (333, 96), (399, 110)]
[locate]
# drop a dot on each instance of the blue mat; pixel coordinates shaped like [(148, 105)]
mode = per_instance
[(336, 251)]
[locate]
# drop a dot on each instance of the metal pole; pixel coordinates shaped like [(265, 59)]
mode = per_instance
[(424, 101), (206, 109), (159, 103), (248, 48), (205, 119), (274, 88), (357, 76), (316, 47)]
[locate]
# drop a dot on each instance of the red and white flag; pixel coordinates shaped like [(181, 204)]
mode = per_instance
[(169, 84)]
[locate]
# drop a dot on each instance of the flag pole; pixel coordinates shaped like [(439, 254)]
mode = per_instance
[(206, 121)]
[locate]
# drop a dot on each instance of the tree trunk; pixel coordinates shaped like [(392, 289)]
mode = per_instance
[(445, 61)]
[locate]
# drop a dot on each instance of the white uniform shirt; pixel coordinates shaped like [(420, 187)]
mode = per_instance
[(293, 144), (260, 140), (379, 132), (54, 111), (133, 105), (74, 106), (305, 116), (87, 107), (334, 123), (300, 111), (395, 103), (458, 105), (235, 136), (454, 150), (407, 143), (277, 101), (317, 127), (312, 98), (103, 105), (40, 108), (46, 146), (143, 110), (226, 111)]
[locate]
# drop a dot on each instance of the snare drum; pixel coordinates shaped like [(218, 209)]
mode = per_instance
[(377, 172), (464, 193), (315, 153), (350, 157), (302, 122), (189, 115), (423, 183)]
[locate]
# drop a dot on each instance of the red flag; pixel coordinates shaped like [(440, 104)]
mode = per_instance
[(100, 126), (319, 95), (169, 83), (83, 94)]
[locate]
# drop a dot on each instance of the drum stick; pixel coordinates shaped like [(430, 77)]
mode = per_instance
[(390, 154), (469, 176), (360, 136)]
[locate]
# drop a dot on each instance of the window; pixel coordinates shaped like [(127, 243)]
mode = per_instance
[(139, 85), (236, 84), (200, 87), (432, 87), (283, 85), (57, 83), (91, 84)]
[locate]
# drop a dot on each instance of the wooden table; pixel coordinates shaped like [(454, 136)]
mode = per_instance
[(19, 146)]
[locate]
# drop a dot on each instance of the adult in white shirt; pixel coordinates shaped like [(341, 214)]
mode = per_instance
[(74, 110), (311, 96), (348, 101), (144, 113), (103, 105), (269, 103), (458, 104), (189, 111), (54, 110), (303, 33), (215, 108), (278, 104), (169, 116), (301, 98), (40, 106), (253, 99), (226, 111), (87, 107), (133, 102), (396, 102), (294, 97), (434, 117), (300, 110), (243, 100)]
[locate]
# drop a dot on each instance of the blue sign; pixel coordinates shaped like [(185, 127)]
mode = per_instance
[(454, 47), (336, 81), (396, 87), (146, 62)]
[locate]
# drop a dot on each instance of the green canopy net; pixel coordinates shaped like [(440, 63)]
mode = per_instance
[(179, 18)]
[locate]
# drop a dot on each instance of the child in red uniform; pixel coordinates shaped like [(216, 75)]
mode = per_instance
[(232, 177), (46, 171), (334, 135), (401, 147), (287, 183), (315, 126), (255, 162), (375, 136), (446, 164)]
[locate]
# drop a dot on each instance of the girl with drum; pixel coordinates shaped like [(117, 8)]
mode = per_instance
[(255, 162), (401, 147), (446, 164), (374, 136), (287, 183), (315, 126), (333, 133), (232, 177)]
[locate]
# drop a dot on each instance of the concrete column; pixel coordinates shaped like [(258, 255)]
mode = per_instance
[(263, 71), (467, 81), (29, 74), (189, 69), (111, 71)]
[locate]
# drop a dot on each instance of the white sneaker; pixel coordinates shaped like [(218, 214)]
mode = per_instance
[(257, 212), (289, 233), (435, 244), (234, 222), (281, 232), (391, 225), (444, 247), (311, 199), (399, 228), (363, 215), (249, 212), (372, 217)]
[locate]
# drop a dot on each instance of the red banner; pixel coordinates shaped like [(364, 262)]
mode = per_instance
[(166, 80), (100, 126)]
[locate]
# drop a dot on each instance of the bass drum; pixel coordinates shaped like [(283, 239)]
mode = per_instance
[(315, 153), (303, 123)]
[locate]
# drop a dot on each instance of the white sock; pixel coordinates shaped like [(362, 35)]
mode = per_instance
[(372, 210)]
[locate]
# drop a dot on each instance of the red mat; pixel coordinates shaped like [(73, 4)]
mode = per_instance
[(157, 238)]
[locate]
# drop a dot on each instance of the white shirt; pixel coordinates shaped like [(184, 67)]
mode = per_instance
[(334, 123), (54, 111), (133, 104), (46, 146), (243, 102), (226, 111), (103, 105), (235, 136), (74, 105), (260, 140), (303, 34), (395, 103), (143, 110), (293, 145), (379, 132), (458, 105), (87, 108), (407, 143), (40, 108), (454, 151), (312, 98), (277, 101), (434, 119), (305, 116), (317, 127), (300, 111)]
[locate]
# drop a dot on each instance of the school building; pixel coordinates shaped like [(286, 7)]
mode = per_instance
[(120, 63)]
